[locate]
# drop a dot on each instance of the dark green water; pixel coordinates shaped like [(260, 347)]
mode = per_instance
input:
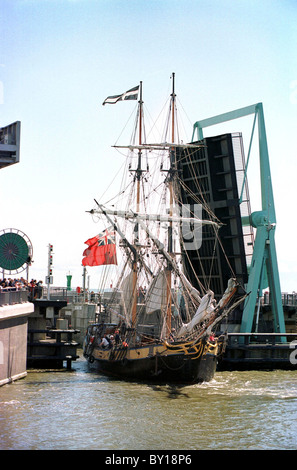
[(83, 410)]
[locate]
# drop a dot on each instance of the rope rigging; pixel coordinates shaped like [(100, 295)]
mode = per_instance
[(153, 197)]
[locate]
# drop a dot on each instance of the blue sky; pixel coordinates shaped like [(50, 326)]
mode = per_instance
[(59, 59)]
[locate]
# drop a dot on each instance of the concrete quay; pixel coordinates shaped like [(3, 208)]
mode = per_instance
[(32, 335), (14, 312)]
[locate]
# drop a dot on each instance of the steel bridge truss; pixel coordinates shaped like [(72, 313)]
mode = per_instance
[(264, 267)]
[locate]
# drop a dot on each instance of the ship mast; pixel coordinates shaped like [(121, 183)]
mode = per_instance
[(170, 174), (136, 239), (139, 171)]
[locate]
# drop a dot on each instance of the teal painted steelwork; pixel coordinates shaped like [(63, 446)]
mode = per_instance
[(264, 261)]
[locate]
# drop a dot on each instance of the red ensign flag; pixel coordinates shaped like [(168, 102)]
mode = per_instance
[(101, 250)]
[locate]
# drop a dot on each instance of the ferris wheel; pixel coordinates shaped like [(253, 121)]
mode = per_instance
[(16, 251)]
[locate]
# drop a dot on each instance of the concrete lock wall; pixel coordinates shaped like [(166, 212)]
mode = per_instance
[(13, 341), (79, 317)]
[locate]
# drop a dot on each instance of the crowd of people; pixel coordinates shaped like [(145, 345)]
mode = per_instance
[(108, 341), (34, 288), (15, 284), (96, 336)]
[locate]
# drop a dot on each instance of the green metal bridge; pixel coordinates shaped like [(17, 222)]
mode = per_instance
[(263, 271)]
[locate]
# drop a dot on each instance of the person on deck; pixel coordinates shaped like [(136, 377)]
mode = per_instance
[(104, 343), (117, 337)]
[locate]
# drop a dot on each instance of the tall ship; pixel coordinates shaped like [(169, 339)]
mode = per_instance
[(155, 323)]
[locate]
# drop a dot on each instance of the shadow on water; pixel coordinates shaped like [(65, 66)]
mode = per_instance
[(173, 391)]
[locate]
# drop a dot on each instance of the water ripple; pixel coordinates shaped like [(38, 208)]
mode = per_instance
[(84, 410)]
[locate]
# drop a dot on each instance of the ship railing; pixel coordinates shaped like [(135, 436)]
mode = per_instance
[(271, 339), (289, 300)]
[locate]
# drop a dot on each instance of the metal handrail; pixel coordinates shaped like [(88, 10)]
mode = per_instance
[(11, 296), (269, 338), (287, 299)]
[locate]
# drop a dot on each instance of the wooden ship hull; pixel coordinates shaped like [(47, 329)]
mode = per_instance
[(187, 362)]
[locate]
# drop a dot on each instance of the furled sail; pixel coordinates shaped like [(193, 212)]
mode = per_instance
[(204, 310), (127, 295), (232, 284), (129, 214), (207, 306), (191, 289), (156, 295)]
